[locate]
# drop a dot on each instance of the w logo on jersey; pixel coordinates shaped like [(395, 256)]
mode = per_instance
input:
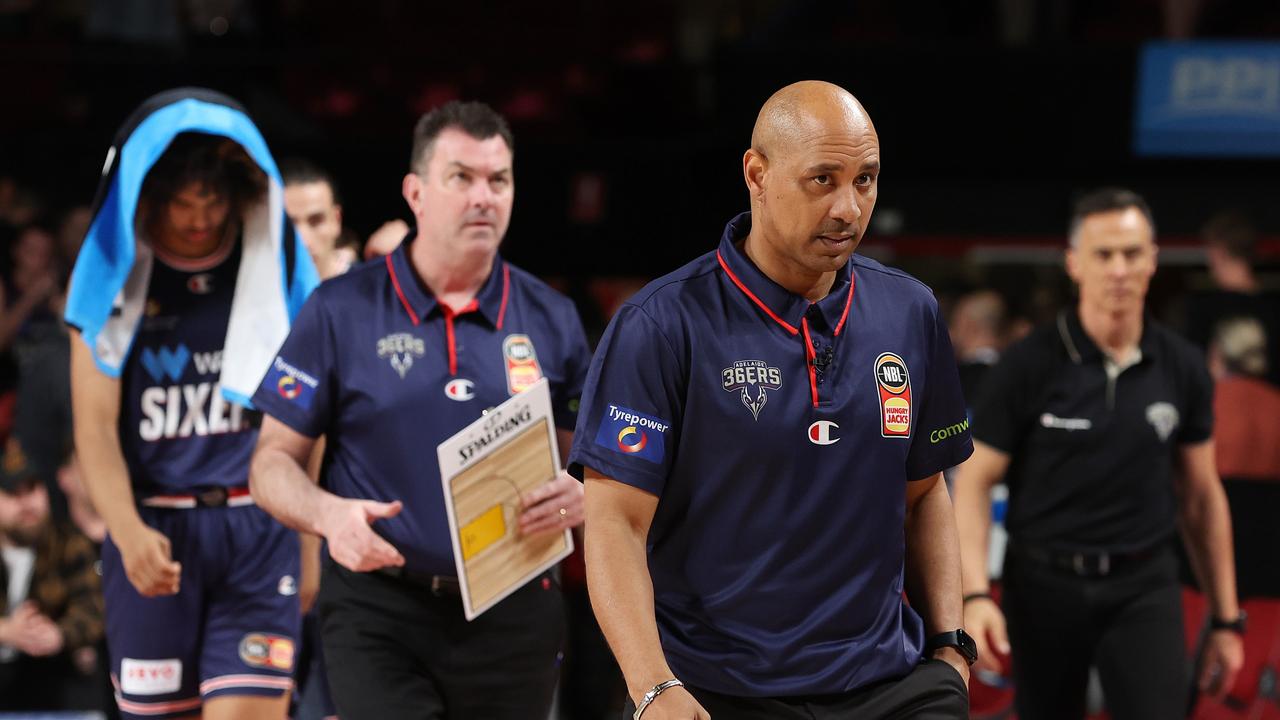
[(745, 375), (164, 362)]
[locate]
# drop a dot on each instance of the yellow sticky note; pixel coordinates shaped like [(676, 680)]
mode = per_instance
[(482, 532)]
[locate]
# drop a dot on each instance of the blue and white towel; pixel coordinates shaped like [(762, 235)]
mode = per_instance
[(109, 283)]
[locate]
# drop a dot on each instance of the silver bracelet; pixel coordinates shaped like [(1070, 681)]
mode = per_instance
[(653, 694)]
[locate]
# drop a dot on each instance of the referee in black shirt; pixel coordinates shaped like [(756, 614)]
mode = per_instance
[(1101, 424)]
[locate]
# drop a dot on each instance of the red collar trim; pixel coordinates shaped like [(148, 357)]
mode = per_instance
[(395, 282), (506, 292), (848, 301), (741, 286), (471, 307)]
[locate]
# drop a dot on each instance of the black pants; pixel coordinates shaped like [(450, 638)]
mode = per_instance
[(1128, 624), (398, 650), (933, 691)]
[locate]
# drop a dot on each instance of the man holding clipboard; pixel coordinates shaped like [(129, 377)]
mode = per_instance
[(387, 362)]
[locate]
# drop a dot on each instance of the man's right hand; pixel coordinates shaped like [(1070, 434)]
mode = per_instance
[(148, 561), (31, 632), (675, 704), (984, 622), (352, 543)]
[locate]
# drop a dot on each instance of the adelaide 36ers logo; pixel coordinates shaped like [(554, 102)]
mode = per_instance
[(744, 376), (894, 385)]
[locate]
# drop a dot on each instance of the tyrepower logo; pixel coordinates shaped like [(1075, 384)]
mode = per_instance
[(632, 433), (291, 383)]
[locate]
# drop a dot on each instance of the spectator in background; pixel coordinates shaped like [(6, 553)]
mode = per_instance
[(32, 292), (1247, 441), (34, 339), (311, 201), (347, 252), (51, 608), (977, 326), (72, 229), (81, 514), (386, 239), (80, 508), (1230, 243)]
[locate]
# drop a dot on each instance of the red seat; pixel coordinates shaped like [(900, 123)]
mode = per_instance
[(1255, 695), (991, 698)]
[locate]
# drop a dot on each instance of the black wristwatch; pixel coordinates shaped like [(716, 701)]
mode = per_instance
[(958, 639), (1236, 626)]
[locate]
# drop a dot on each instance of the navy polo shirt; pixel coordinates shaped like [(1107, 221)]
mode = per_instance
[(779, 436), (386, 373)]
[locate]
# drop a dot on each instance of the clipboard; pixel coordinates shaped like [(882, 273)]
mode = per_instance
[(485, 469)]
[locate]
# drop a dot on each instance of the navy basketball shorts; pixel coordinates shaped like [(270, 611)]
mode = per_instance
[(233, 627)]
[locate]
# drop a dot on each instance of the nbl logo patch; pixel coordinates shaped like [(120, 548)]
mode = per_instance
[(522, 363), (267, 651), (628, 432), (893, 383)]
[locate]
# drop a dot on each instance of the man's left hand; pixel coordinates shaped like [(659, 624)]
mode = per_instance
[(552, 507), (952, 657), (1222, 660)]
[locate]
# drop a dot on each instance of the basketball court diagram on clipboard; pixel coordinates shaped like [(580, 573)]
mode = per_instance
[(485, 469)]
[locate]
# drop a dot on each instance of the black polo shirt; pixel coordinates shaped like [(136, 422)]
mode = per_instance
[(1091, 455)]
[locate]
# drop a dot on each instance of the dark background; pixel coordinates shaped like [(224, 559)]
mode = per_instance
[(991, 114)]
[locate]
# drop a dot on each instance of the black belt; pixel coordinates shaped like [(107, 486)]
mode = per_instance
[(439, 585), (206, 497), (1085, 563)]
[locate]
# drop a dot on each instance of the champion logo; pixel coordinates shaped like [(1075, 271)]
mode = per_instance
[(460, 389), (820, 433), (201, 284)]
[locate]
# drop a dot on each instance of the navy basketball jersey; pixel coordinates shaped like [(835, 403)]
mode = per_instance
[(176, 430)]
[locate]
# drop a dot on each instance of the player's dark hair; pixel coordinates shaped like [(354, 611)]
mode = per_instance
[(215, 163), (301, 171), (473, 118), (1234, 232), (1107, 200)]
